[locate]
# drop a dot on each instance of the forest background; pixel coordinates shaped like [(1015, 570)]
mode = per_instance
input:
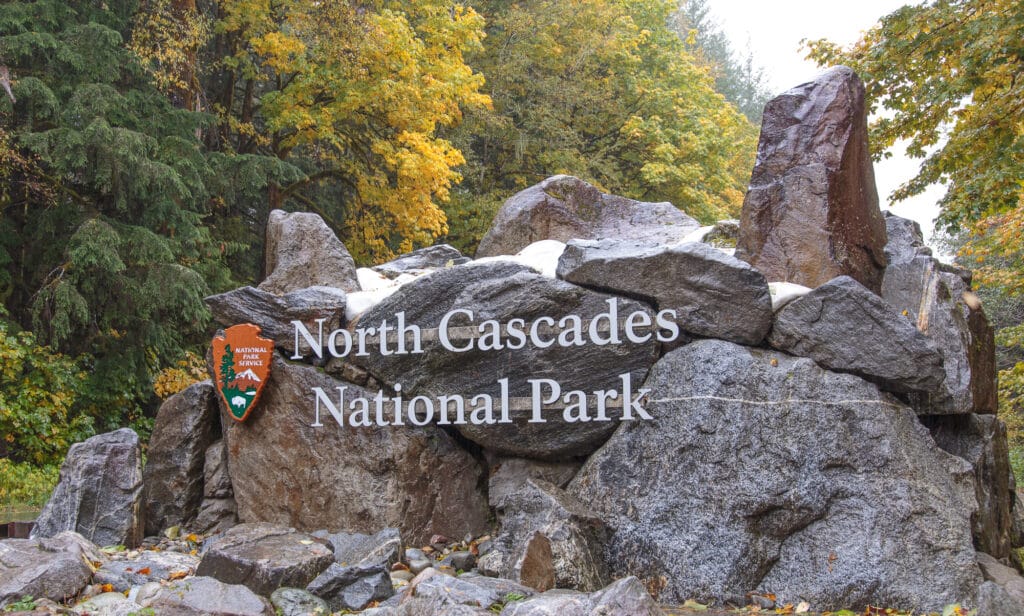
[(143, 143)]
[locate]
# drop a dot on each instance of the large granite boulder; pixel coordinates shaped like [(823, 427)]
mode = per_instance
[(263, 558), (811, 212), (205, 596), (186, 424), (301, 251), (501, 292), (352, 587), (713, 294), (764, 472), (382, 548), (358, 478), (938, 299), (981, 440), (274, 313), (55, 568), (994, 600), (847, 328), (99, 494), (625, 597), (563, 207)]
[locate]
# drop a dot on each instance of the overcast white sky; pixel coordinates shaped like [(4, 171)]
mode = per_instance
[(774, 29)]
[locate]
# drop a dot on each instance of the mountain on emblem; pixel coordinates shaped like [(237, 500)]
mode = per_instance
[(241, 364)]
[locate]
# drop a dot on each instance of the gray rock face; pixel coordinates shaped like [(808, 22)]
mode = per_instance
[(205, 596), (563, 207), (454, 591), (509, 475), (99, 494), (54, 568), (1007, 577), (905, 240), (298, 602), (713, 294), (301, 252), (625, 597), (981, 441), (993, 600), (216, 515), (811, 212), (502, 292), (764, 472), (939, 301), (352, 587), (846, 328), (383, 548), (431, 257), (216, 480), (415, 479), (263, 558), (186, 424), (275, 313), (573, 538), (149, 567)]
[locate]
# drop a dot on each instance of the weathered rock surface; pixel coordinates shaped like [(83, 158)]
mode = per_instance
[(298, 602), (216, 479), (263, 558), (149, 567), (811, 212), (99, 494), (993, 600), (431, 257), (714, 295), (938, 299), (502, 292), (1007, 577), (382, 548), (563, 207), (107, 604), (205, 596), (274, 313), (186, 424), (352, 587), (625, 597), (216, 515), (847, 328), (55, 568), (764, 472), (571, 543), (905, 240), (509, 476), (415, 479), (302, 251), (981, 441)]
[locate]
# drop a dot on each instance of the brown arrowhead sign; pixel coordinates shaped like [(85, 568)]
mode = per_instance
[(241, 363)]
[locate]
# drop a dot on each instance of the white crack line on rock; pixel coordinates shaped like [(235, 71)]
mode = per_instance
[(778, 402)]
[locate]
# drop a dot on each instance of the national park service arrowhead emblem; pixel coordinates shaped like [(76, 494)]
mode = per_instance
[(241, 363)]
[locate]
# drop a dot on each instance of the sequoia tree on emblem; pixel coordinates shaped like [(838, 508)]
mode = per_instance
[(241, 364)]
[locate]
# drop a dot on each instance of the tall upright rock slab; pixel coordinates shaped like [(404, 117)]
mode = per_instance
[(186, 424), (301, 252), (811, 212), (99, 494)]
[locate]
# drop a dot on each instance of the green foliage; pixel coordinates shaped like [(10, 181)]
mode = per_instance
[(738, 78), (605, 91), (25, 485), (37, 393), (26, 604)]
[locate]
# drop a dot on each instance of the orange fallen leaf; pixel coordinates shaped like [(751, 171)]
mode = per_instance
[(177, 575), (107, 588), (143, 571)]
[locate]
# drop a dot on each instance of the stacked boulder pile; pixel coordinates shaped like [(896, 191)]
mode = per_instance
[(821, 429)]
